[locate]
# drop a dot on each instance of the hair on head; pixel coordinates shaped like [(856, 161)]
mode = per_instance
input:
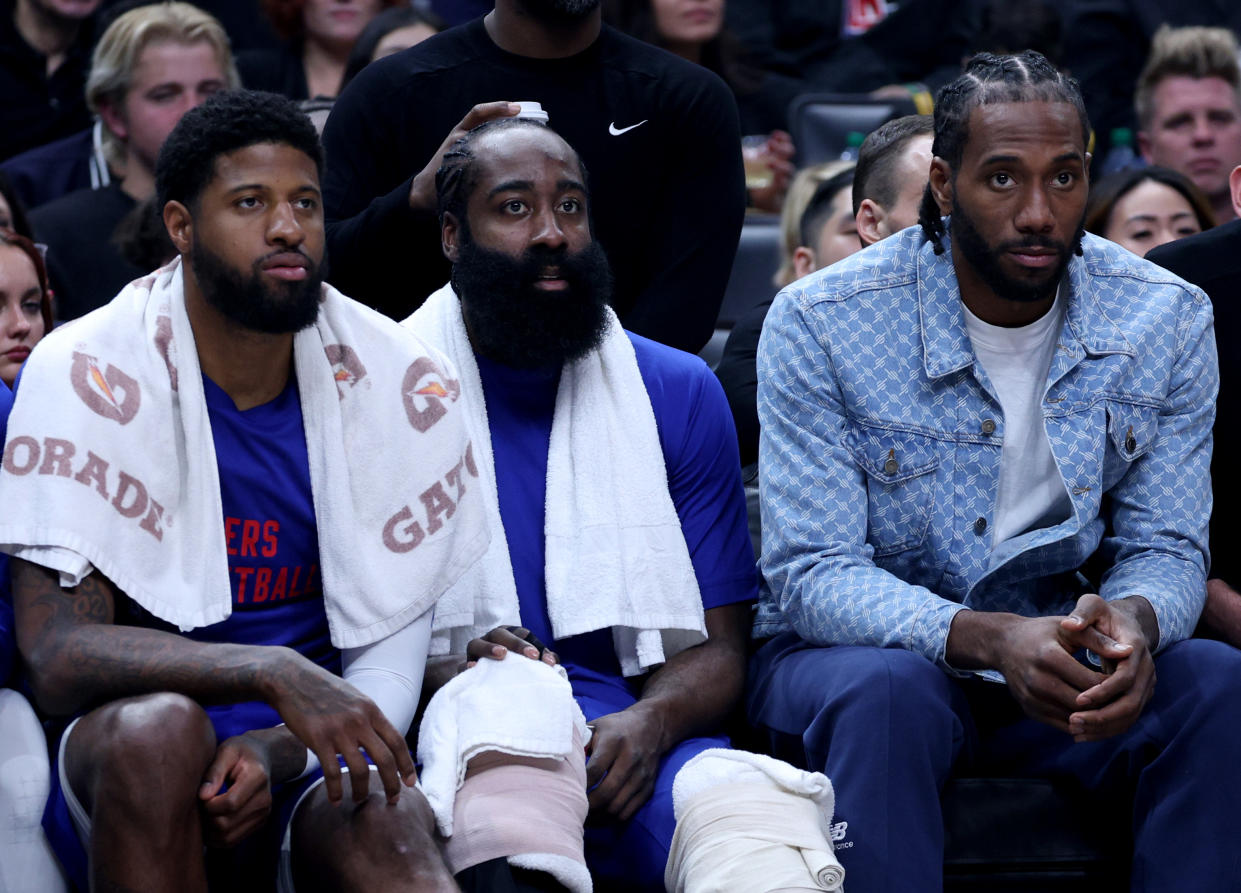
[(458, 171), (879, 156), (1111, 189), (28, 248), (819, 208), (989, 79), (800, 191), (225, 123), (1193, 52), (117, 54)]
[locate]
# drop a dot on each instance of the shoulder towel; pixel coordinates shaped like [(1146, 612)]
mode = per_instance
[(616, 556), (111, 459)]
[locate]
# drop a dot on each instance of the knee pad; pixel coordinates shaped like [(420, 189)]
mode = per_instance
[(750, 822)]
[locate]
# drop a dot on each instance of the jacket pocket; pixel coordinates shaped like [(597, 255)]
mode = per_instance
[(1132, 430), (899, 468)]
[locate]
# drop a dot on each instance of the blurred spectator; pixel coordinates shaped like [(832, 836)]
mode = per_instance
[(318, 37), (1107, 42), (1188, 102), (141, 237), (1212, 261), (12, 211), (1006, 27), (1143, 209), (802, 38), (44, 48), (26, 860), (25, 305), (892, 168), (47, 172), (826, 234), (801, 190), (455, 12), (658, 136), (151, 66), (694, 30), (390, 32)]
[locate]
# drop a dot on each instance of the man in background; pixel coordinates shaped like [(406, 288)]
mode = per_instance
[(1188, 101), (659, 136), (152, 65)]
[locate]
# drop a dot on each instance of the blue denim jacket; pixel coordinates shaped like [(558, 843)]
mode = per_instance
[(880, 451)]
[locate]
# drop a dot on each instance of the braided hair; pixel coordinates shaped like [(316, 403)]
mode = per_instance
[(457, 174), (988, 78)]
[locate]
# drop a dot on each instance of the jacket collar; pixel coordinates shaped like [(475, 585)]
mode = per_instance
[(946, 346)]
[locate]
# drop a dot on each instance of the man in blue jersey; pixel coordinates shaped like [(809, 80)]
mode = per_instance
[(619, 542), (211, 535)]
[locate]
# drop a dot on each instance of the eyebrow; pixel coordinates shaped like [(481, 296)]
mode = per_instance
[(528, 186), (1013, 159), (1143, 217), (511, 186), (262, 187)]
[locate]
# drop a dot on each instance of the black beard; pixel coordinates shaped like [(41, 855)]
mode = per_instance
[(985, 259), (275, 308), (560, 10), (513, 323)]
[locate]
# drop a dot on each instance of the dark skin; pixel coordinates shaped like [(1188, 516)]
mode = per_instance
[(262, 202), (515, 29), (529, 192), (689, 695), (1022, 179)]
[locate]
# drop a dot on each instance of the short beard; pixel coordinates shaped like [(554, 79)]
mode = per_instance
[(513, 323), (985, 258), (278, 308), (560, 10)]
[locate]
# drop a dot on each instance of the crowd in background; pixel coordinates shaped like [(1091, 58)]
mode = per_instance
[(91, 89)]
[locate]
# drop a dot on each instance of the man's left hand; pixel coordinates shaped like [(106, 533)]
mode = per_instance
[(1113, 705), (244, 763), (624, 759)]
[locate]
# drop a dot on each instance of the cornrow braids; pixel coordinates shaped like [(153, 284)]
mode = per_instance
[(989, 79), (457, 174)]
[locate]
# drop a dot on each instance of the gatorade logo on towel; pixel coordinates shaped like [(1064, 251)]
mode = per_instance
[(108, 392), (425, 389), (347, 369)]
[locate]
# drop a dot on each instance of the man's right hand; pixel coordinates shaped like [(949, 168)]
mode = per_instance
[(332, 717), (503, 639), (1035, 654), (422, 190)]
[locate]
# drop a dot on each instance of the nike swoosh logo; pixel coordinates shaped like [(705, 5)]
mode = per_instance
[(617, 131)]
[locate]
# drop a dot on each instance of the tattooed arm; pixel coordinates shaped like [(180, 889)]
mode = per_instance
[(77, 656)]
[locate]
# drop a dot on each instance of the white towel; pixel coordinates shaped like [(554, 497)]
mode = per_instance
[(616, 555), (110, 456), (750, 822), (515, 705)]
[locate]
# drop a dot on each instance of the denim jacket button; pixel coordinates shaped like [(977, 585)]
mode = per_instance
[(891, 466), (980, 526), (988, 426)]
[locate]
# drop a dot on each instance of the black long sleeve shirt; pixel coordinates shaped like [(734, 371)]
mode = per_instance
[(658, 136)]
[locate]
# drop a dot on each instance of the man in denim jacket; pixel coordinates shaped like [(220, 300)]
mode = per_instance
[(984, 459)]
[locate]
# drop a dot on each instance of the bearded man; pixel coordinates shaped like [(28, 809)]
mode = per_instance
[(646, 122), (610, 473), (206, 583), (985, 454)]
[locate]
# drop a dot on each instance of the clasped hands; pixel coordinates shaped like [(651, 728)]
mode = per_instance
[(1036, 658)]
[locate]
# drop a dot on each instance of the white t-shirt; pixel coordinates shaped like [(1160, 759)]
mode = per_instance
[(1031, 492)]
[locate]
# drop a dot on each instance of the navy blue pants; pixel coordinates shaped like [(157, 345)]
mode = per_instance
[(631, 855), (889, 728)]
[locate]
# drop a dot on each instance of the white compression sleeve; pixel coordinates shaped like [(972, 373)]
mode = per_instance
[(389, 672)]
